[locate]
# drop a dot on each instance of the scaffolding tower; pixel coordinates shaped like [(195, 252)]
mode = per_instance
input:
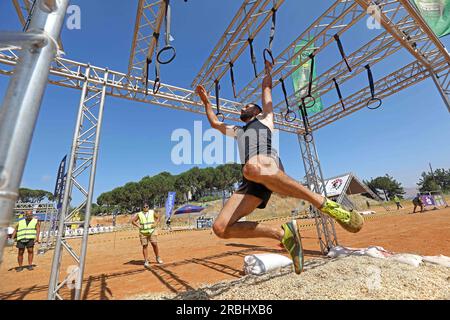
[(31, 57)]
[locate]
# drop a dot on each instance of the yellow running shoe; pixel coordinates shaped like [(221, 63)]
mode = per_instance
[(351, 221), (293, 243)]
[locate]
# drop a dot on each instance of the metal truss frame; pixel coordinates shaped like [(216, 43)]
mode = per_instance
[(70, 74), (80, 176), (404, 29), (326, 231), (376, 50), (149, 18), (248, 22), (399, 80), (342, 15)]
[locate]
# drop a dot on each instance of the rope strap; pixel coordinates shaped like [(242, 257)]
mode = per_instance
[(338, 90), (252, 56), (342, 51), (218, 113), (373, 99), (233, 82)]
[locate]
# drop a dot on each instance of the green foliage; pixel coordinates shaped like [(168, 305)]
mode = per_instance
[(209, 198), (439, 182), (387, 184), (196, 184), (34, 196)]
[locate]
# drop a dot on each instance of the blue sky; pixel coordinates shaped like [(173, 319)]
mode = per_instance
[(409, 131)]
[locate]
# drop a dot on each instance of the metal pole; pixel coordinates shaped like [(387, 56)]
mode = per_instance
[(22, 103), (87, 216), (67, 192), (441, 90)]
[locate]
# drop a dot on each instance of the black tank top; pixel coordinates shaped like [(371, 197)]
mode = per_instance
[(253, 139)]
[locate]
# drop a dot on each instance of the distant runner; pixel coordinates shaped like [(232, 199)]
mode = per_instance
[(263, 174), (397, 202), (417, 202)]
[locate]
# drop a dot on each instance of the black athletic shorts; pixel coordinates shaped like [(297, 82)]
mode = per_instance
[(255, 189), (25, 244)]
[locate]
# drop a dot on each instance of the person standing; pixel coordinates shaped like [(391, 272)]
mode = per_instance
[(146, 221), (27, 234), (168, 222), (397, 202), (417, 202)]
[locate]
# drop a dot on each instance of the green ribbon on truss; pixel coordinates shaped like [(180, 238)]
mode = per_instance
[(436, 13), (300, 77)]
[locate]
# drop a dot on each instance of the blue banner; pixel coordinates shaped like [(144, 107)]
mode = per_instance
[(170, 203), (60, 182)]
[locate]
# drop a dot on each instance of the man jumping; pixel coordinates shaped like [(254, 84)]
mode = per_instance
[(263, 173)]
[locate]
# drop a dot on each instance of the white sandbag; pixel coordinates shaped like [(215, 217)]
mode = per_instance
[(367, 213), (377, 252), (373, 251), (411, 259), (259, 264), (10, 230), (339, 251), (440, 260)]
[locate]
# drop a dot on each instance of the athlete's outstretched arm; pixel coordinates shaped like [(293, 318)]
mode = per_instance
[(267, 90), (212, 118)]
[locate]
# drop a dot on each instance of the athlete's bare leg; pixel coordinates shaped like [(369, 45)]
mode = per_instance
[(238, 206), (265, 170)]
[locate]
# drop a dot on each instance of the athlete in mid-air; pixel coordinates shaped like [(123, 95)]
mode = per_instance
[(263, 173)]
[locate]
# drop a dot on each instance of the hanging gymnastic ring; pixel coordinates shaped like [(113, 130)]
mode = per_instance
[(163, 50), (310, 99), (270, 53), (372, 101), (308, 137), (220, 116), (290, 119)]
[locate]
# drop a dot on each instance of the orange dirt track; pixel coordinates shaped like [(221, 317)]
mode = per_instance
[(114, 267)]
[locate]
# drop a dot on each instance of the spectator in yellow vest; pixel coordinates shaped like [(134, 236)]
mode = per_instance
[(27, 234), (397, 202), (146, 221)]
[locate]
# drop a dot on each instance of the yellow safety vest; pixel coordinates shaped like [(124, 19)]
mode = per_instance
[(147, 223), (27, 231)]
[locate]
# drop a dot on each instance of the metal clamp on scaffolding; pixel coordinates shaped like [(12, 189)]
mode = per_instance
[(268, 50), (167, 47), (374, 99), (290, 116), (309, 101), (338, 90), (342, 51), (219, 114)]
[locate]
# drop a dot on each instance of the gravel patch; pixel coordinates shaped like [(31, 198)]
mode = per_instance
[(345, 278)]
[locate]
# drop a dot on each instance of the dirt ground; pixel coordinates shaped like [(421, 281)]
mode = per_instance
[(114, 268)]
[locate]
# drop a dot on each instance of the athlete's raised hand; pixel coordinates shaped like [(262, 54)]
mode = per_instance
[(202, 93)]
